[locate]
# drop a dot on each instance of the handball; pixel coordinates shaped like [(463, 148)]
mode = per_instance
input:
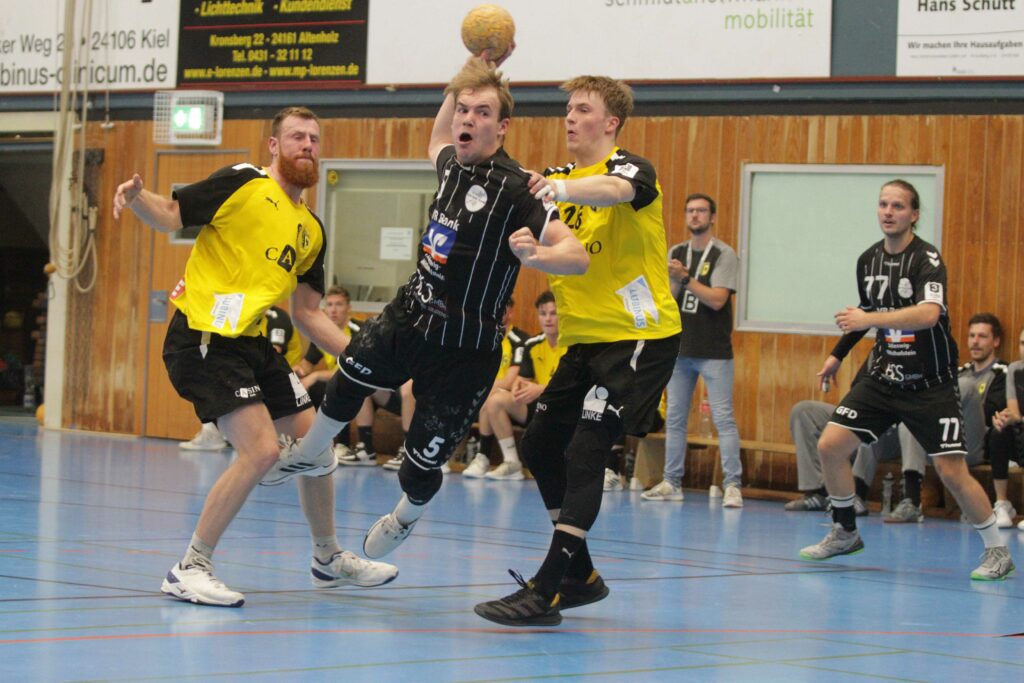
[(488, 26)]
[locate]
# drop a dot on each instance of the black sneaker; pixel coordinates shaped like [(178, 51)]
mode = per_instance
[(577, 592), (814, 502), (525, 607)]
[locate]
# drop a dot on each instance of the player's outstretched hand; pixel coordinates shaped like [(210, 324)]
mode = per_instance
[(488, 56), (126, 194), (828, 371)]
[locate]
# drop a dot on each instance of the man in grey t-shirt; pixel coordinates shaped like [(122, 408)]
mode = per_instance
[(702, 272)]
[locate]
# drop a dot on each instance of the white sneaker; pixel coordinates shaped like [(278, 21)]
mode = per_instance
[(732, 497), (348, 569), (385, 535), (208, 438), (359, 457), (341, 451), (1005, 513), (838, 541), (478, 468), (612, 480), (1020, 525), (196, 583), (292, 463), (507, 471), (395, 463), (663, 491), (446, 469)]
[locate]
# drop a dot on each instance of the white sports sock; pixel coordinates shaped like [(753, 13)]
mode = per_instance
[(406, 512), (321, 435), (325, 547), (990, 532), (198, 553), (508, 449)]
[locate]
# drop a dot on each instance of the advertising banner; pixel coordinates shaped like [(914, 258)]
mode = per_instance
[(418, 41), (124, 45), (960, 38)]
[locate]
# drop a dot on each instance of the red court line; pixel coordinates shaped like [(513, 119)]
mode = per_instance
[(501, 631)]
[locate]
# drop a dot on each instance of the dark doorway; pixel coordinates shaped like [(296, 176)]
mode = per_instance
[(25, 176)]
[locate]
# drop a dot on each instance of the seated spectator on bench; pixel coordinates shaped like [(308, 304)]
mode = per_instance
[(983, 395), (1007, 423), (540, 356), (807, 420), (481, 443)]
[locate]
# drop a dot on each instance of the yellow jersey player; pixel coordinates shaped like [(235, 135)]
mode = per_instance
[(621, 326), (259, 243)]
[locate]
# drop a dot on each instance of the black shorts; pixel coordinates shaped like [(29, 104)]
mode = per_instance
[(624, 377), (449, 384), (932, 415), (226, 373)]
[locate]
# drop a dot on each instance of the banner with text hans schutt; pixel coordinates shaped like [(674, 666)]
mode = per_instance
[(417, 41), (960, 38)]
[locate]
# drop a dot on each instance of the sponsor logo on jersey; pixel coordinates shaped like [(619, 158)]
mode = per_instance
[(303, 237), (438, 241), (899, 336), (933, 258), (178, 290), (904, 288), (271, 201), (594, 403), (933, 292), (476, 198), (626, 170)]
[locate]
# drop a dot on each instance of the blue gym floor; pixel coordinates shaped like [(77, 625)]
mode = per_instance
[(91, 523)]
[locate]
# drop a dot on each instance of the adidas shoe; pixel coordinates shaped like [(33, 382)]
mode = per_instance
[(348, 569), (904, 513), (359, 457), (663, 491), (478, 468), (507, 471), (395, 463), (385, 535), (577, 592), (996, 565), (612, 482), (196, 583), (208, 438), (1005, 512), (838, 541), (525, 607), (292, 463), (814, 502)]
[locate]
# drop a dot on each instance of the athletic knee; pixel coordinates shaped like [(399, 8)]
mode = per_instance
[(418, 484)]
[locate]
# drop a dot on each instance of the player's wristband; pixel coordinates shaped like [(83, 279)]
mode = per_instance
[(685, 281), (560, 195)]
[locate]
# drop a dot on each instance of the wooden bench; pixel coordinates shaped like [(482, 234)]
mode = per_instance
[(769, 472)]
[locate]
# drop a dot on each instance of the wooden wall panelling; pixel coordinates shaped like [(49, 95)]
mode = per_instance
[(981, 233)]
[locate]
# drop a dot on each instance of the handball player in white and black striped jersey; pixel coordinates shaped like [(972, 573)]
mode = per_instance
[(912, 379), (443, 329)]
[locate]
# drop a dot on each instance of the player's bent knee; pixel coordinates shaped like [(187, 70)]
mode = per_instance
[(418, 484)]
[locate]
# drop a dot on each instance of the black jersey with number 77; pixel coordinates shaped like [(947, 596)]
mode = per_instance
[(909, 359)]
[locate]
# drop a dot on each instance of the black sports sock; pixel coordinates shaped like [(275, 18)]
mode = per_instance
[(366, 437), (564, 547), (912, 486), (845, 516), (487, 444), (582, 566), (861, 487)]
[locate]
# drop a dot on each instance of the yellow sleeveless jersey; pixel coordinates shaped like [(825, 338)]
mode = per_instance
[(254, 249), (540, 359), (625, 292)]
